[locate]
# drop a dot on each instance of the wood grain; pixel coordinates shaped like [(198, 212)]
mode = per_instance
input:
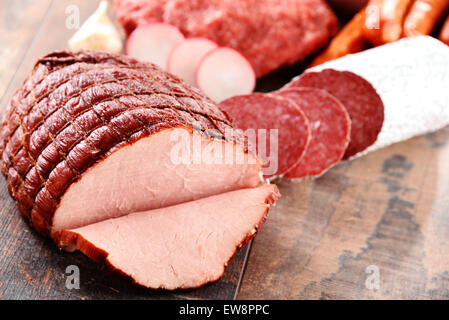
[(387, 209), (19, 21)]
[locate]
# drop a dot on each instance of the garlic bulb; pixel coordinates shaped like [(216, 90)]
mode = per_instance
[(97, 33)]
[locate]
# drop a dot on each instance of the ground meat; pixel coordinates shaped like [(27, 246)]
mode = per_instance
[(269, 33)]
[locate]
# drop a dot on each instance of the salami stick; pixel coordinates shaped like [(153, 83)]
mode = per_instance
[(411, 77)]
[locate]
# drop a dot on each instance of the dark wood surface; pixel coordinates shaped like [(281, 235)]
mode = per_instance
[(387, 210)]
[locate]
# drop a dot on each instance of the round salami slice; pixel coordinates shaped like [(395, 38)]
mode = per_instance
[(330, 125), (361, 100), (259, 115)]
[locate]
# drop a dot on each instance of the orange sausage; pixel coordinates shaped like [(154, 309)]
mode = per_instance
[(423, 16), (372, 24), (388, 17), (349, 40), (444, 34), (392, 20)]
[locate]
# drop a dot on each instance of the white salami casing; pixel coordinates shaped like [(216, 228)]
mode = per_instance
[(412, 78)]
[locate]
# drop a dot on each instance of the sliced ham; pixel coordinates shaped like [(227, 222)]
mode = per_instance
[(142, 176), (133, 167), (182, 246), (92, 136)]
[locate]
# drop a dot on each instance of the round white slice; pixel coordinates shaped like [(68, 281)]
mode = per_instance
[(153, 43), (185, 57), (224, 73)]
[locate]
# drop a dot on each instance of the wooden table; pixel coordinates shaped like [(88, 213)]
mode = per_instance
[(384, 216)]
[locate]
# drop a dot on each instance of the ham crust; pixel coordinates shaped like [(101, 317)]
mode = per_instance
[(76, 109)]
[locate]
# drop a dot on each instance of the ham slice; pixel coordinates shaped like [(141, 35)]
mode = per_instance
[(182, 246), (142, 176), (132, 166), (92, 136)]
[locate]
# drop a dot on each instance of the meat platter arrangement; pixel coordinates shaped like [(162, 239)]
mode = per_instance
[(90, 143)]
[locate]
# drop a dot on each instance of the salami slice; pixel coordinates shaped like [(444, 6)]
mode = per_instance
[(361, 100), (261, 113), (330, 126)]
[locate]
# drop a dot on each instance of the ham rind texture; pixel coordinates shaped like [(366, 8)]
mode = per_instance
[(182, 246), (411, 77), (91, 136), (269, 33)]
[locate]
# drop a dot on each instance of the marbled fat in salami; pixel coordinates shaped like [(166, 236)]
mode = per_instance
[(361, 100), (330, 126), (265, 111), (411, 76)]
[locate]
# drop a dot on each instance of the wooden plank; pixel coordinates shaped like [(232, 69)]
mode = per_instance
[(386, 211), (52, 35), (19, 21), (32, 267)]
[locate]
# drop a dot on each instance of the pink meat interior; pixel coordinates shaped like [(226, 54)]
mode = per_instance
[(153, 173)]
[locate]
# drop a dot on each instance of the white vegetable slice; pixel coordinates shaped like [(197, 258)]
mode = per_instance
[(411, 76), (153, 42), (186, 56), (224, 73)]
